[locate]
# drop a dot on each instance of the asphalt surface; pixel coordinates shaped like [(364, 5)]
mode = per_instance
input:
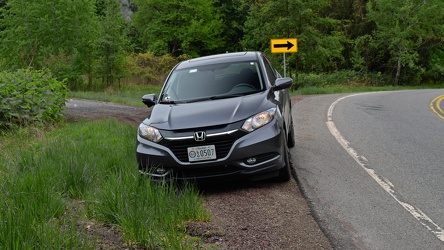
[(372, 168)]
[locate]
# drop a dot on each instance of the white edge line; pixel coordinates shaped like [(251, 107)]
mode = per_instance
[(383, 182)]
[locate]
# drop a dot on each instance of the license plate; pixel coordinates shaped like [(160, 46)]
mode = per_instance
[(201, 153)]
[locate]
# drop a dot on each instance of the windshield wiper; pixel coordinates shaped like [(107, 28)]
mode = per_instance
[(217, 97), (171, 102)]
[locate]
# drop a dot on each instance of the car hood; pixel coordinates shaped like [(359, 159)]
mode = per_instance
[(207, 113)]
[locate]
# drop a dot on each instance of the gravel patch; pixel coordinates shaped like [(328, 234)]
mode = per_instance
[(245, 215)]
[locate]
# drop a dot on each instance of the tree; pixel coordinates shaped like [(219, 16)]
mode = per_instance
[(178, 27), (353, 23), (47, 33), (403, 29), (112, 43), (233, 14), (320, 41)]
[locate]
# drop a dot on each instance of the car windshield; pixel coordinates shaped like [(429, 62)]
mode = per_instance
[(210, 82)]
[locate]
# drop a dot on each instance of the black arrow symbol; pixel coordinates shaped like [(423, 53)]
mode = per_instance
[(288, 45)]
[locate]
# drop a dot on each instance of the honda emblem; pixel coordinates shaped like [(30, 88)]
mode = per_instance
[(199, 136)]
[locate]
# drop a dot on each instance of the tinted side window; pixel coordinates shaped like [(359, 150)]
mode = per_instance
[(269, 70)]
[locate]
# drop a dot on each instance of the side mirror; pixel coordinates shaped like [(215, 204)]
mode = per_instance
[(149, 100), (282, 83)]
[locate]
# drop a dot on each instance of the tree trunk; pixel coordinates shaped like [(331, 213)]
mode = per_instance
[(398, 72)]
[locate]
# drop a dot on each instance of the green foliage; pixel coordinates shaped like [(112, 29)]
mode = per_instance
[(30, 97), (344, 78), (233, 14), (146, 68), (312, 90), (178, 27), (41, 177), (33, 213), (112, 44), (435, 69), (89, 43), (34, 31), (320, 44), (67, 37), (149, 213), (403, 30)]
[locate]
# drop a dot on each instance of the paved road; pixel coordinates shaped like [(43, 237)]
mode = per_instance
[(372, 167)]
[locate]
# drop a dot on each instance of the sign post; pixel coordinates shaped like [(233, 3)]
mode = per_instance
[(286, 45)]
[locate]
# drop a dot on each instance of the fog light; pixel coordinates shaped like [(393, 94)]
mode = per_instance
[(251, 160)]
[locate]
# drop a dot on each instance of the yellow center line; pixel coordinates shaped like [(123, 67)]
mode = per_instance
[(435, 106)]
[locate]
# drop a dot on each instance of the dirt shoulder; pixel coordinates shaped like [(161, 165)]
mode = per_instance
[(248, 215)]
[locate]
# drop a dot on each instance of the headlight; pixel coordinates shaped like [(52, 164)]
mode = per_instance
[(149, 133), (259, 120)]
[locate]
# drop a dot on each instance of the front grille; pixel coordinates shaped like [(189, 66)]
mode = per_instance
[(222, 137), (222, 145)]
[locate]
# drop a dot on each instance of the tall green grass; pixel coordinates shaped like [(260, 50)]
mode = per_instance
[(31, 204), (94, 162), (150, 214)]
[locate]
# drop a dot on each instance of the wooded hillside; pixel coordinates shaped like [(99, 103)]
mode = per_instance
[(95, 42)]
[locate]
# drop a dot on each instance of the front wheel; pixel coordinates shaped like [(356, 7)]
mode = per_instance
[(291, 141), (285, 172)]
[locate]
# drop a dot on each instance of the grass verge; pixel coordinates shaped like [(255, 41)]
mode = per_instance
[(131, 95), (92, 162), (313, 90)]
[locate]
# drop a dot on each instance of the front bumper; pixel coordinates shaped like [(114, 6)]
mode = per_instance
[(265, 145)]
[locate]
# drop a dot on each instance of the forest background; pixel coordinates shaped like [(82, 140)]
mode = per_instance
[(99, 44)]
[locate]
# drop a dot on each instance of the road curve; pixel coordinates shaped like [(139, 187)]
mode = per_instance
[(371, 167)]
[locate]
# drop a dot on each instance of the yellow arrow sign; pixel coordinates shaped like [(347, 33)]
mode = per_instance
[(286, 45)]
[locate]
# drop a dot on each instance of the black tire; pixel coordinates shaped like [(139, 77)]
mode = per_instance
[(285, 172), (291, 141)]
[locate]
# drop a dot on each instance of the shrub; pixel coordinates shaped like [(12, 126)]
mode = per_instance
[(30, 97), (150, 69), (344, 78)]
